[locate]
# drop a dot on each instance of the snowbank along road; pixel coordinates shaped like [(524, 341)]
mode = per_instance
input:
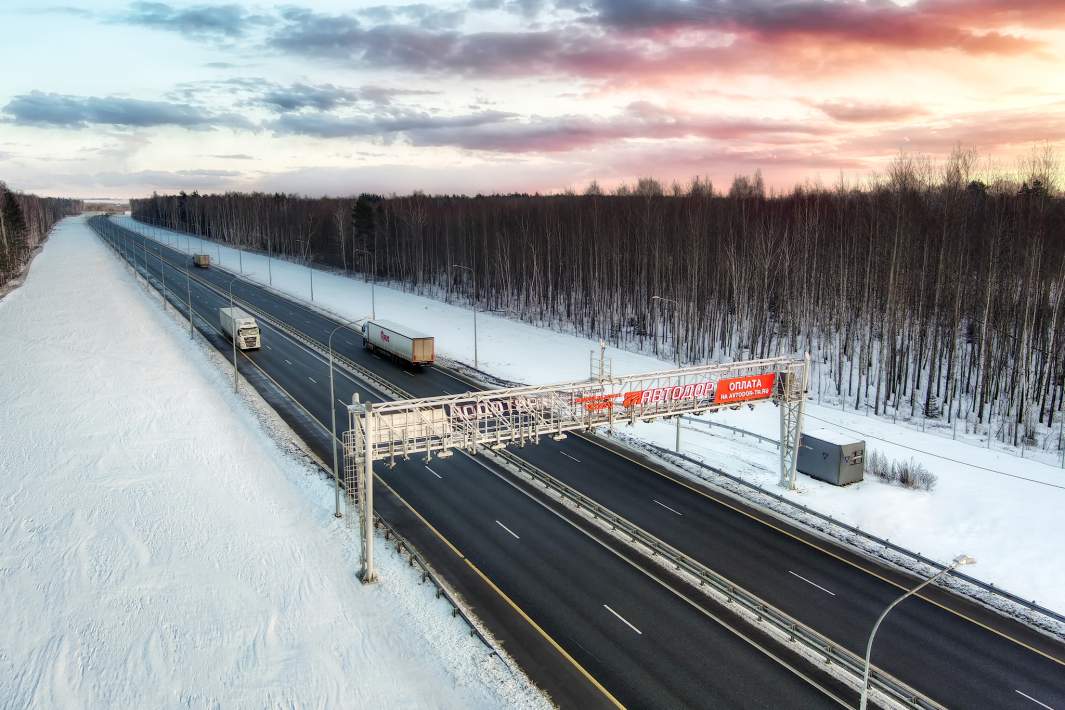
[(158, 549)]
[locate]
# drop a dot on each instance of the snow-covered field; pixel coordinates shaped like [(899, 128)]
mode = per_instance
[(160, 548), (1010, 521)]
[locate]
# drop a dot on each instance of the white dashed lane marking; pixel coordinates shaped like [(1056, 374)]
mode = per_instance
[(811, 583), (623, 619), (505, 527), (672, 510), (1026, 695)]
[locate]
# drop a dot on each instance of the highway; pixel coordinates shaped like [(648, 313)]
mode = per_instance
[(643, 643), (948, 655)]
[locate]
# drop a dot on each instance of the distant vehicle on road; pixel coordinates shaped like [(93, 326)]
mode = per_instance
[(399, 341), (201, 260), (240, 327)]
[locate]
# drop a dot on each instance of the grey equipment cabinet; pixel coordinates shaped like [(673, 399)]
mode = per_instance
[(833, 457)]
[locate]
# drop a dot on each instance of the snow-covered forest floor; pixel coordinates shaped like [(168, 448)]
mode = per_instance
[(992, 504), (160, 547)]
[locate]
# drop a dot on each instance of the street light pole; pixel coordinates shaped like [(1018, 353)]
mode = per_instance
[(676, 353), (233, 335), (959, 561), (333, 412), (373, 281), (188, 290), (307, 262), (476, 365), (162, 274), (144, 249), (269, 261)]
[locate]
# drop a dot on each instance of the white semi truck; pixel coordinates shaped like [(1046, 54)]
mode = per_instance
[(240, 327), (399, 341)]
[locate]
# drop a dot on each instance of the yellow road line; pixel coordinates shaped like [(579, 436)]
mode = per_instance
[(547, 637)]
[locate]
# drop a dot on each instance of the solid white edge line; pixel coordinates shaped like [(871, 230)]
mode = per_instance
[(1026, 695), (570, 457), (505, 527), (436, 474), (673, 510), (812, 583), (623, 620)]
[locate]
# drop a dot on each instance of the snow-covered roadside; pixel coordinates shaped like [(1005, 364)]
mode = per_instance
[(158, 548), (1011, 525)]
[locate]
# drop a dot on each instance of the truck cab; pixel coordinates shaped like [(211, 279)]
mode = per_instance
[(248, 337), (241, 327)]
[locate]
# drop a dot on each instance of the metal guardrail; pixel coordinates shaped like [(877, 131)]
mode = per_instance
[(985, 586), (402, 544), (785, 626), (742, 432)]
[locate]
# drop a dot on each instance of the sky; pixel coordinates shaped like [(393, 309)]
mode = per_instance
[(117, 99)]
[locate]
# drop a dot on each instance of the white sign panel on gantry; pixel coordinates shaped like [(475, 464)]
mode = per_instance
[(518, 414)]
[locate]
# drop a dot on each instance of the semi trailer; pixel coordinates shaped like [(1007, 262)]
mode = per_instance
[(201, 260), (240, 327), (399, 341)]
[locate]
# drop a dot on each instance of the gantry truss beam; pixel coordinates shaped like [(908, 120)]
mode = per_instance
[(521, 415)]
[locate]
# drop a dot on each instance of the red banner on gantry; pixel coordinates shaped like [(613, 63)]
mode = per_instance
[(744, 389)]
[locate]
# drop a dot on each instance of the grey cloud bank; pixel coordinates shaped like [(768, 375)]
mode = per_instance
[(60, 110)]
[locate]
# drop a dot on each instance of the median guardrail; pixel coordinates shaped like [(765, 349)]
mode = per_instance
[(757, 610), (1052, 621)]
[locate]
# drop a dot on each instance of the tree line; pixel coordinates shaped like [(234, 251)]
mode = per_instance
[(24, 223), (925, 293)]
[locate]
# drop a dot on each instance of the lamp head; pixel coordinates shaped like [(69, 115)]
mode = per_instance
[(963, 560)]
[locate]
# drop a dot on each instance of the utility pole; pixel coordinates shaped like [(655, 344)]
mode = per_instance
[(233, 336), (269, 261), (188, 289), (476, 365), (373, 281), (162, 275), (144, 248), (676, 353)]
